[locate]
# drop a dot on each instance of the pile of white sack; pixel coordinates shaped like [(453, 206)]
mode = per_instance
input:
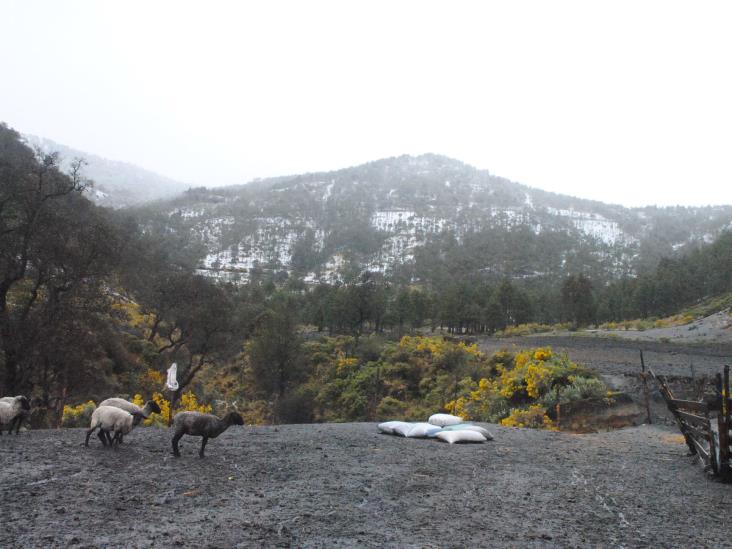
[(445, 427)]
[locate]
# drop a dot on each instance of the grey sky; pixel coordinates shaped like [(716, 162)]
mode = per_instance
[(627, 102)]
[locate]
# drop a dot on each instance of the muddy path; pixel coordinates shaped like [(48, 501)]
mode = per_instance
[(344, 485)]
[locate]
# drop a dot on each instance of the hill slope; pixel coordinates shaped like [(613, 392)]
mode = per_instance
[(116, 184), (399, 214)]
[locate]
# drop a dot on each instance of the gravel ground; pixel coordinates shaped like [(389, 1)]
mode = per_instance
[(344, 485)]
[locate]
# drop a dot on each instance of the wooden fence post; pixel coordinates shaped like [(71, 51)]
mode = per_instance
[(724, 423), (646, 396), (668, 396)]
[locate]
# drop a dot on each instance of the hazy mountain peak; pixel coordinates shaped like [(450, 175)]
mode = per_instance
[(116, 184)]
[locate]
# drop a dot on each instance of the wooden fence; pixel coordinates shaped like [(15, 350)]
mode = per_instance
[(705, 424)]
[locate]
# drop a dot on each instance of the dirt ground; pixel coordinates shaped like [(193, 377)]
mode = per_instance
[(617, 356), (345, 485)]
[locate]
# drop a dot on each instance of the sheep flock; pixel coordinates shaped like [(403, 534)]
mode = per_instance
[(116, 417)]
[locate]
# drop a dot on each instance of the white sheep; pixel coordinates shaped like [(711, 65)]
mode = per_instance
[(13, 410), (109, 418), (151, 407), (138, 414)]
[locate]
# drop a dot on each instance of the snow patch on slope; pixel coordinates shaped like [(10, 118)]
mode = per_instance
[(594, 225)]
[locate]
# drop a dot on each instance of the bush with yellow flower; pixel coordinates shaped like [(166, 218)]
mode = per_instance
[(524, 387)]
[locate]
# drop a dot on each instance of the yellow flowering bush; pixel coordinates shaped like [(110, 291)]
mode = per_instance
[(530, 328), (458, 407), (79, 415), (533, 417), (538, 379), (543, 353), (417, 375), (187, 403), (135, 317), (344, 363), (521, 359), (483, 403), (522, 385), (510, 381), (151, 380), (437, 346)]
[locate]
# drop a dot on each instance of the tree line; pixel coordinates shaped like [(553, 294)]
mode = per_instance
[(69, 273)]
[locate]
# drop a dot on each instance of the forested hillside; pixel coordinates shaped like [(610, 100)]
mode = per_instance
[(408, 217)]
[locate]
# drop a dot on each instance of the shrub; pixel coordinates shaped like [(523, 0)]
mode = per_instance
[(583, 388), (79, 415), (295, 407), (522, 382), (534, 417), (390, 408), (257, 412), (484, 403), (530, 328), (417, 376)]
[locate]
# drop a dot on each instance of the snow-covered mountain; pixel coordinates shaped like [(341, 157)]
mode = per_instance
[(398, 214), (115, 184)]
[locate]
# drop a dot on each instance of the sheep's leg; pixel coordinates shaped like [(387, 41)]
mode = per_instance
[(203, 446), (18, 422), (176, 438), (88, 434), (110, 440), (101, 434)]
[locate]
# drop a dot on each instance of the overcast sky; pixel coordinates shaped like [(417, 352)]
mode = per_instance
[(625, 102)]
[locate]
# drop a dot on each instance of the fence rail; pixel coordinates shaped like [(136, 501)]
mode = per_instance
[(705, 425)]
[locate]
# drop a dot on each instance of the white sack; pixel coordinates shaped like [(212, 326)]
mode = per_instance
[(469, 427), (388, 427), (442, 420), (422, 430), (403, 428), (460, 436)]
